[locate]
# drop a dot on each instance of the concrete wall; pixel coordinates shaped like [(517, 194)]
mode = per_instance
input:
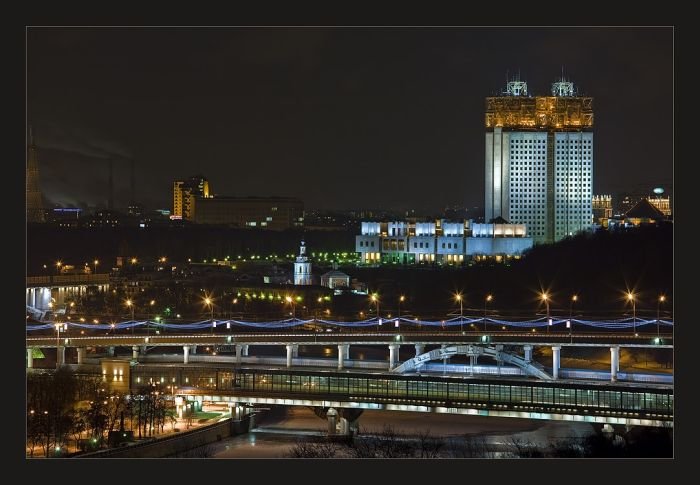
[(177, 444)]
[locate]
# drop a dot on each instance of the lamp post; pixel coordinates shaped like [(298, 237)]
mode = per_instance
[(130, 304), (375, 299), (208, 301), (151, 303), (398, 322), (96, 262), (662, 299), (458, 297), (630, 297), (58, 267), (290, 300), (545, 299), (574, 299), (58, 339), (486, 302)]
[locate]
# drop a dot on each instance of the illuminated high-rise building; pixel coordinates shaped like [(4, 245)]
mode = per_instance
[(539, 160), (185, 193), (35, 205)]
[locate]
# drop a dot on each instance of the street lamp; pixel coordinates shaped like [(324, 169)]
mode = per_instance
[(574, 299), (152, 302), (662, 299), (130, 304), (210, 303), (58, 338), (401, 300), (96, 262), (545, 299), (486, 302), (375, 299), (630, 297), (290, 300), (58, 267), (459, 298)]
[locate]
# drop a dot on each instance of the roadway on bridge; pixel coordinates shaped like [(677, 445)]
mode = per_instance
[(352, 338)]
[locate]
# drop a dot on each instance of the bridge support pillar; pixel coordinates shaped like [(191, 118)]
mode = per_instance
[(135, 352), (347, 352), (185, 354), (60, 355), (556, 358), (420, 348), (393, 351), (30, 359), (194, 349), (295, 351), (444, 360), (331, 414), (110, 351), (342, 352), (290, 355), (81, 355), (472, 362), (245, 350), (614, 362), (344, 427), (528, 352), (239, 351)]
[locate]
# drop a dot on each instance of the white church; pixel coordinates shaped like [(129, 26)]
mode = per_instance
[(302, 268)]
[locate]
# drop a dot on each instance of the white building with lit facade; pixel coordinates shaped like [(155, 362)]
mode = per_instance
[(439, 242), (302, 268), (539, 160)]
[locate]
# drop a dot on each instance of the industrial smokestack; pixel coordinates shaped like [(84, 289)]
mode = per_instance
[(133, 180), (110, 201)]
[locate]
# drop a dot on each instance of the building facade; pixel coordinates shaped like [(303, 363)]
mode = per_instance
[(302, 268), (277, 213), (185, 193), (602, 209), (335, 279), (439, 242), (539, 160)]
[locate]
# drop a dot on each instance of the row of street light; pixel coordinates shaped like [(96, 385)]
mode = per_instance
[(545, 298)]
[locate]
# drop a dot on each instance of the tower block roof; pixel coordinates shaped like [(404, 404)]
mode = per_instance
[(539, 112)]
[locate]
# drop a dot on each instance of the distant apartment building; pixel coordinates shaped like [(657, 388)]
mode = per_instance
[(439, 241), (602, 209), (277, 213), (184, 194)]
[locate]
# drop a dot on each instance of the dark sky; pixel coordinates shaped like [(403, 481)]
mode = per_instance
[(342, 118)]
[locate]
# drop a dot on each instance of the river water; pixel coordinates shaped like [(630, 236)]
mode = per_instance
[(282, 428)]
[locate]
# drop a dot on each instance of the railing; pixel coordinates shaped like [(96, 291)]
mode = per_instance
[(65, 280)]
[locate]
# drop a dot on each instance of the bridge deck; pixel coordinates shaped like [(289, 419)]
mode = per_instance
[(642, 402), (339, 338)]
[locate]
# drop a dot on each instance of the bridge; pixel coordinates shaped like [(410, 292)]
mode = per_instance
[(48, 294), (504, 347), (349, 392)]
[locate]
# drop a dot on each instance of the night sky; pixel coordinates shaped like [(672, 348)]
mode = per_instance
[(343, 118)]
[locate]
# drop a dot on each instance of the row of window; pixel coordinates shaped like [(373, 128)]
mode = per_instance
[(652, 402)]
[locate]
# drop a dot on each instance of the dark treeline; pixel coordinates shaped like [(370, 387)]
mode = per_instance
[(598, 267), (47, 244)]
